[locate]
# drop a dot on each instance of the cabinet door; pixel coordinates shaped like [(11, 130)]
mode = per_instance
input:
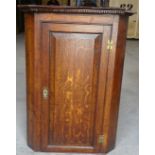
[(74, 66)]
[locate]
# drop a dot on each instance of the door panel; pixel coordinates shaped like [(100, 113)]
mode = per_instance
[(72, 65), (72, 118)]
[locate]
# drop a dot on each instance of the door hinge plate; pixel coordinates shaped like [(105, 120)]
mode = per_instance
[(110, 45), (101, 139)]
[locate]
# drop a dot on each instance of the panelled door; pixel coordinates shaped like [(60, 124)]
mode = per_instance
[(74, 66)]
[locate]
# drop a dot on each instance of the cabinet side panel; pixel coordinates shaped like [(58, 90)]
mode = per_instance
[(115, 71), (29, 42)]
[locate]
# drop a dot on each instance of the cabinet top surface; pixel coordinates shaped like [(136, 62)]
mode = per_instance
[(73, 10)]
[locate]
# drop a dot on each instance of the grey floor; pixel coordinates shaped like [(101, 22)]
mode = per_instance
[(127, 136)]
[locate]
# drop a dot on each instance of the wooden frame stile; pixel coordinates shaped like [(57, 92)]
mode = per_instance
[(29, 42), (114, 80)]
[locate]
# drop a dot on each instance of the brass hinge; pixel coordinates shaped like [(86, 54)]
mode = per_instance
[(101, 139), (109, 45)]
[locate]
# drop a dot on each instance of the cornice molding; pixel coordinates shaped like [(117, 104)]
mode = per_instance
[(72, 10)]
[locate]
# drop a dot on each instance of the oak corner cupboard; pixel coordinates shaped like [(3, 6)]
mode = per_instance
[(74, 64)]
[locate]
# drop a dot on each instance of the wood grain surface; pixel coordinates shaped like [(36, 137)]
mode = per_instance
[(67, 54)]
